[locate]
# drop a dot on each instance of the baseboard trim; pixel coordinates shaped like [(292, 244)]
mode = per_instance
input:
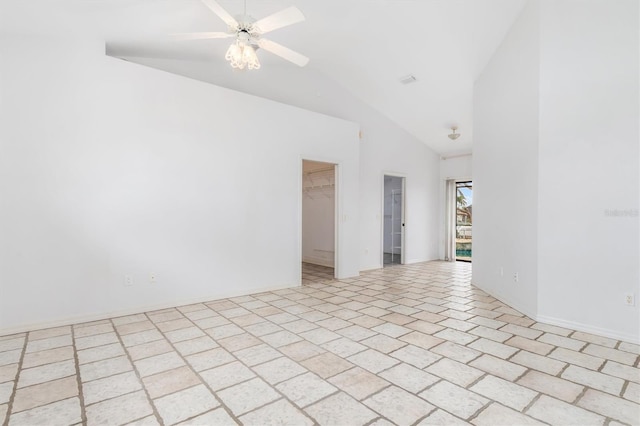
[(370, 268), (577, 326), (586, 328), (412, 261), (318, 261), (512, 304), (138, 310)]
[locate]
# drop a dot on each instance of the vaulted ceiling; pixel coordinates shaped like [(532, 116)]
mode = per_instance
[(365, 46)]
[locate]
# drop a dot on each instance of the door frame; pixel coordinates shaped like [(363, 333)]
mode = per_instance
[(336, 211), (403, 206), (455, 224)]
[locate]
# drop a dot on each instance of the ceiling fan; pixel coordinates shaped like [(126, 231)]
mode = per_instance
[(248, 35)]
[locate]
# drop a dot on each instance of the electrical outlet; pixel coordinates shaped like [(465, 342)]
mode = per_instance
[(153, 279), (515, 277), (630, 299), (128, 280)]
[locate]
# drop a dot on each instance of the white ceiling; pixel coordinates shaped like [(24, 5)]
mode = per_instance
[(363, 45)]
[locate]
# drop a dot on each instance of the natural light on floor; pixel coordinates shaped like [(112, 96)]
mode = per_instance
[(406, 344)]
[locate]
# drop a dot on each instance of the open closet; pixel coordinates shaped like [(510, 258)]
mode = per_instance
[(318, 221)]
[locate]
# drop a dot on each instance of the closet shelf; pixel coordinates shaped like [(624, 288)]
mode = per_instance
[(323, 178)]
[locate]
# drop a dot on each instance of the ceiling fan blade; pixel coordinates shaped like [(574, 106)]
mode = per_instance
[(283, 52), (201, 36), (222, 14), (288, 16)]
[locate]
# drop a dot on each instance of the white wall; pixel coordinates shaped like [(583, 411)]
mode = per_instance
[(556, 156), (457, 167), (386, 150), (385, 147), (318, 215), (110, 168), (589, 148), (505, 167), (318, 219)]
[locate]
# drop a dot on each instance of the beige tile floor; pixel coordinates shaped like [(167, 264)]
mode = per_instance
[(316, 273), (403, 345)]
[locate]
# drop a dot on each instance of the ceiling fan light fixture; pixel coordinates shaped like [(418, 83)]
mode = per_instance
[(248, 35), (453, 135), (250, 58), (241, 55)]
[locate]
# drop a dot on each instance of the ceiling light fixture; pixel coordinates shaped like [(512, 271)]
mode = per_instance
[(241, 54), (248, 33), (453, 136)]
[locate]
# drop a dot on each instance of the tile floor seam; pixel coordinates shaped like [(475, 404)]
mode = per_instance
[(335, 392), (373, 421), (195, 416), (16, 380), (92, 335), (580, 395), (586, 388), (479, 379), (111, 398), (132, 422), (215, 393), (125, 349), (138, 376), (374, 393), (595, 412), (527, 371), (367, 396), (92, 362), (510, 357), (481, 409), (567, 365), (202, 381), (83, 413), (361, 402), (46, 381), (624, 388), (282, 381), (440, 380), (106, 377), (45, 338), (243, 381), (533, 401), (421, 419), (259, 407)]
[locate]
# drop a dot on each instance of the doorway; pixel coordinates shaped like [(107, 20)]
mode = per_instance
[(393, 223), (464, 221), (318, 221)]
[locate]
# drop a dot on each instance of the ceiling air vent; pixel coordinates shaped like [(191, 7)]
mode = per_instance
[(408, 79)]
